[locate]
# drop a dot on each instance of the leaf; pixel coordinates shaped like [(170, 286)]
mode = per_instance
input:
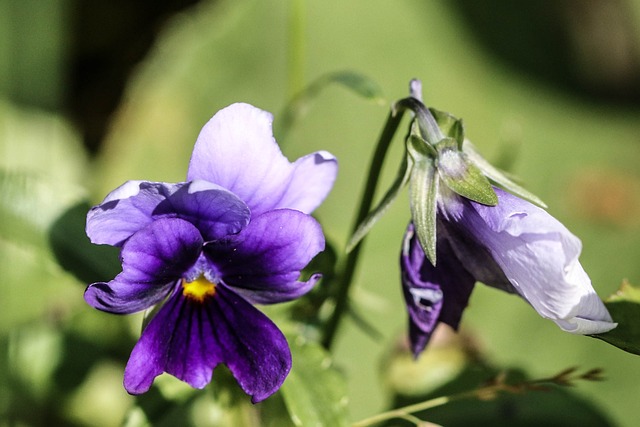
[(423, 195), (402, 178), (497, 176), (299, 106), (75, 253), (315, 393), (461, 175), (624, 307)]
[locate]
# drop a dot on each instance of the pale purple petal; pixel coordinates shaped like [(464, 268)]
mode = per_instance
[(236, 150), (432, 294), (214, 210), (189, 339), (153, 260), (538, 255), (264, 261)]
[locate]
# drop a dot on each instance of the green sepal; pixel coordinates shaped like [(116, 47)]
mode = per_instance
[(624, 307), (499, 177), (450, 125), (402, 178), (423, 195), (461, 175), (315, 393)]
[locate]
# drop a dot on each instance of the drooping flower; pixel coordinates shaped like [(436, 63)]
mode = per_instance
[(236, 233), (514, 246)]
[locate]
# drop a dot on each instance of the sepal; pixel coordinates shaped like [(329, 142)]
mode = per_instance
[(461, 175), (423, 195), (499, 177)]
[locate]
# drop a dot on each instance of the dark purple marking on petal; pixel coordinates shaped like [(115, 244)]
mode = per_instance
[(264, 261), (188, 339)]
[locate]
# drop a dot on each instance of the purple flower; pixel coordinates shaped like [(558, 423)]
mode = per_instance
[(514, 246), (237, 233)]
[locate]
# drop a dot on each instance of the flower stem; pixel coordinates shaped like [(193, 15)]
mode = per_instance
[(346, 277)]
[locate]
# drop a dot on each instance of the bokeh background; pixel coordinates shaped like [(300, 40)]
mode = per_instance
[(94, 93)]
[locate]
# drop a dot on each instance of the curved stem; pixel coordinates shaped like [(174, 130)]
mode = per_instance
[(346, 278)]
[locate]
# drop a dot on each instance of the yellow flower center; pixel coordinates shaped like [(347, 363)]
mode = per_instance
[(199, 289)]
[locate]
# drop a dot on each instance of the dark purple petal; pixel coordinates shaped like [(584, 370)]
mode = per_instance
[(126, 210), (263, 262), (153, 259), (215, 211), (432, 294), (236, 150), (188, 339)]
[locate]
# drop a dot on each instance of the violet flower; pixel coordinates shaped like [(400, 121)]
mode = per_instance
[(514, 246), (237, 233)]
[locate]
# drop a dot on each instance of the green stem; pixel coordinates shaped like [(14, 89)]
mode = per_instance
[(403, 412), (346, 278), (427, 123), (297, 47)]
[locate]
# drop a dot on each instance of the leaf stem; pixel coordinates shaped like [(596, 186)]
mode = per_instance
[(346, 278)]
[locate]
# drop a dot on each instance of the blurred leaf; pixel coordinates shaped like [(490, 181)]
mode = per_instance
[(76, 254), (624, 307), (358, 83), (453, 365), (314, 392)]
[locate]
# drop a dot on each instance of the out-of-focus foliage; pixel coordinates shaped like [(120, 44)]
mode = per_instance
[(624, 306), (62, 362)]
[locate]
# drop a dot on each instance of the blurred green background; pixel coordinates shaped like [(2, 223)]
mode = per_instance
[(95, 93)]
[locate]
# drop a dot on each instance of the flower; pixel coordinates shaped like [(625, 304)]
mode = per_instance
[(237, 233), (514, 246)]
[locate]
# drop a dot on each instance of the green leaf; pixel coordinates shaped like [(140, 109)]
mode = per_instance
[(315, 393), (75, 253), (423, 194), (297, 108), (624, 307), (402, 178), (497, 176), (461, 175)]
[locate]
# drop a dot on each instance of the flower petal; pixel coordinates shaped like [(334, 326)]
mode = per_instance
[(126, 210), (432, 294), (153, 259), (539, 256), (236, 150), (214, 210), (263, 262), (189, 339)]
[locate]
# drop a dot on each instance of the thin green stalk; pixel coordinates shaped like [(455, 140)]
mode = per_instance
[(404, 412), (346, 278)]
